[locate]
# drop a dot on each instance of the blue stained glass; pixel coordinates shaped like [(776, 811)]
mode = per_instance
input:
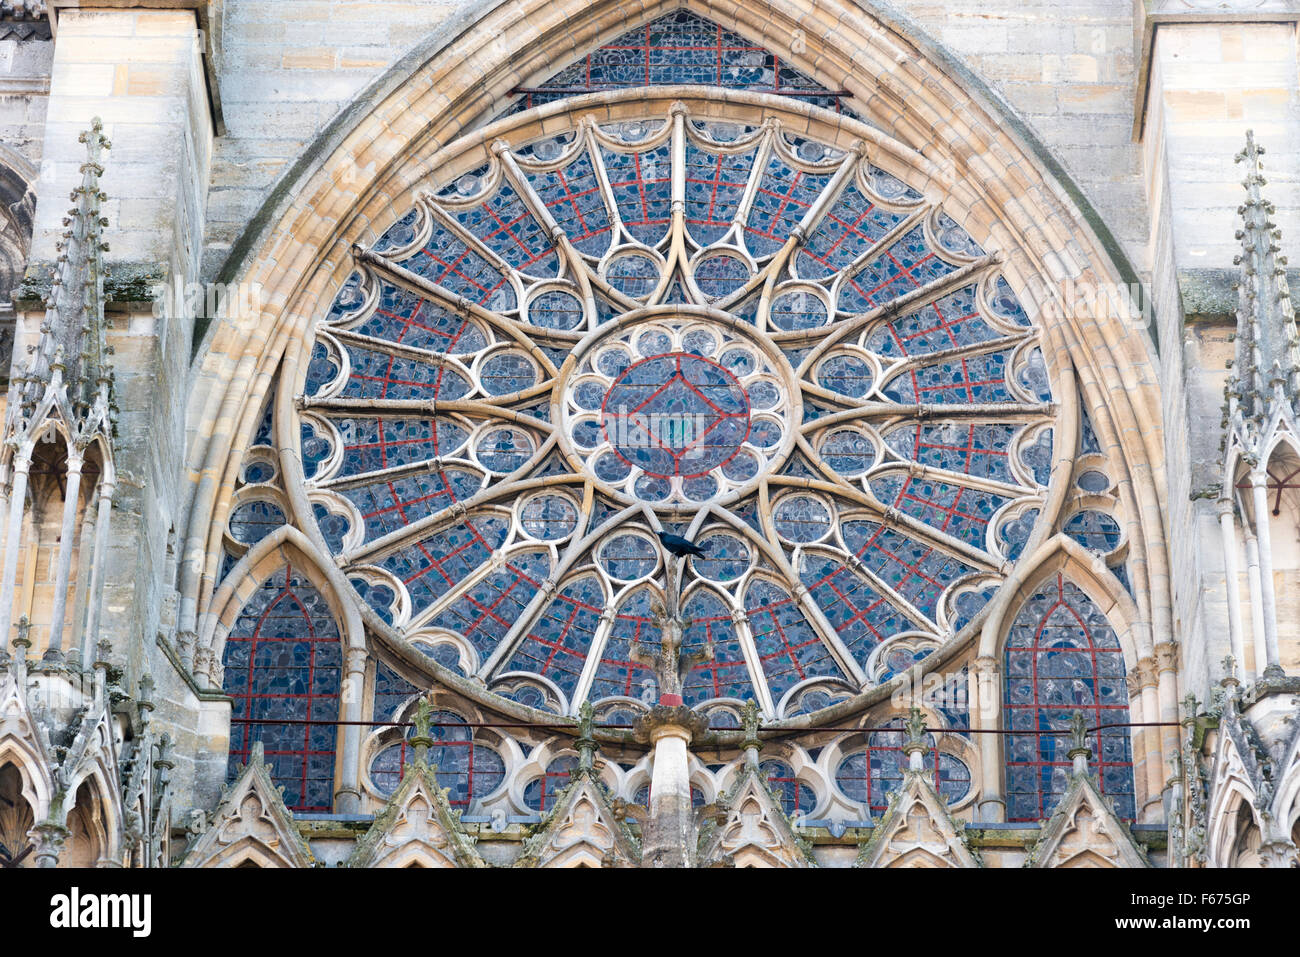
[(283, 660), (1095, 531), (333, 526), (681, 48), (972, 379), (853, 225), (391, 692), (783, 197), (1088, 442), (871, 776), (947, 323), (721, 275), (381, 598), (617, 673), (954, 239), (486, 611), (963, 513), (385, 442), (795, 795), (507, 372), (967, 605), (316, 448), (265, 434), (858, 613), (846, 374), (556, 309), (1033, 375), (1062, 656), (387, 506), (708, 619), (906, 265), (848, 452), (912, 569), (1005, 303), (435, 565), (1015, 533), (258, 472), (642, 187), (572, 194), (404, 317), (727, 557), (449, 262), (973, 449), (1038, 456), (401, 233), (351, 296), (557, 645), (468, 769), (715, 183), (253, 521), (789, 649), (504, 224), (629, 556), (322, 369), (798, 309), (542, 792), (378, 375)]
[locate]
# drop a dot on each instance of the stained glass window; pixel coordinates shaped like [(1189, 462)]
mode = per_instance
[(469, 769), (282, 664), (1061, 656), (815, 352), (869, 776), (680, 48)]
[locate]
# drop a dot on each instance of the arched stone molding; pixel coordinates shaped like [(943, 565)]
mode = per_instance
[(995, 183), (1144, 669), (284, 546), (23, 746)]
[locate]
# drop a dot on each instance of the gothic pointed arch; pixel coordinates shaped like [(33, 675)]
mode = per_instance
[(917, 830), (514, 328)]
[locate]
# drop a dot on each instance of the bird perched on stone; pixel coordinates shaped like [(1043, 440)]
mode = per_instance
[(680, 546)]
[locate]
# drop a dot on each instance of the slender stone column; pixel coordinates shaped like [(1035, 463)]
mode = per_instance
[(13, 538), (67, 537), (670, 832), (347, 799), (985, 713), (94, 591), (1259, 491), (1236, 630)]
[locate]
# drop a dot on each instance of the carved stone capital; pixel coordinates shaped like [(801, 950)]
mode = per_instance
[(669, 716)]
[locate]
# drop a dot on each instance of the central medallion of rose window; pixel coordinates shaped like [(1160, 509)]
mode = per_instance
[(677, 407)]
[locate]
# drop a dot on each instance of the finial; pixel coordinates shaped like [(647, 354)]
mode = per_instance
[(1079, 751), (420, 741), (915, 746), (1229, 679), (24, 640), (586, 740), (749, 721)]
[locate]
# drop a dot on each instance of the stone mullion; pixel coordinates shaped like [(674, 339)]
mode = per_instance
[(1032, 412), (457, 510), (418, 284), (835, 333), (893, 517)]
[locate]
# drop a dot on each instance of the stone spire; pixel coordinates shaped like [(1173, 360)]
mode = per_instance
[(68, 369), (1266, 382), (62, 390)]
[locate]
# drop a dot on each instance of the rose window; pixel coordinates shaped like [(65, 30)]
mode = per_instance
[(743, 320)]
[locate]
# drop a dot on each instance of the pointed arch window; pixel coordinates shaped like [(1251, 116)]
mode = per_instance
[(283, 661), (1062, 655)]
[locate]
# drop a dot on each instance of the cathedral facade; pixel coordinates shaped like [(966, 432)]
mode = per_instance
[(544, 433)]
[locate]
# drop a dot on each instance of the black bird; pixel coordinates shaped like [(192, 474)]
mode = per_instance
[(680, 546)]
